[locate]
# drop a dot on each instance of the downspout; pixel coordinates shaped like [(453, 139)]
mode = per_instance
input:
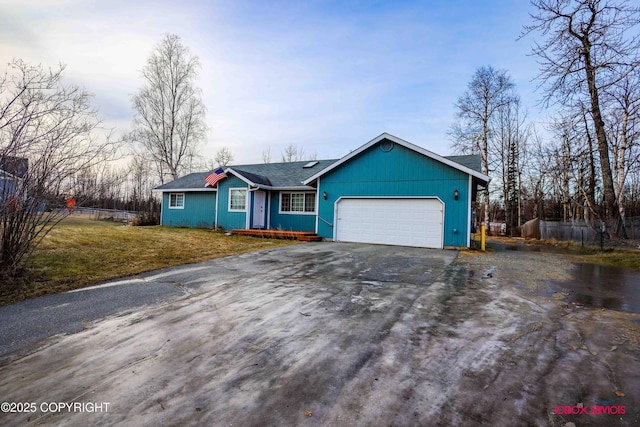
[(248, 207), (162, 209), (317, 204), (469, 212), (215, 221), (267, 203)]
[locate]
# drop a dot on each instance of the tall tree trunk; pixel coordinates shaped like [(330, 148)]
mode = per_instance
[(611, 203), (485, 166), (591, 193), (620, 155)]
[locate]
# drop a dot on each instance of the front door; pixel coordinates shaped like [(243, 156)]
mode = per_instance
[(259, 208)]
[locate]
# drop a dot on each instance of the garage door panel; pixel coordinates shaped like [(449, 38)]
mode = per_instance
[(405, 222)]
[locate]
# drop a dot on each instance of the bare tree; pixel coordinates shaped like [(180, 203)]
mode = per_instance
[(224, 156), (586, 49), (624, 130), (169, 113), (291, 153), (488, 91), (508, 146), (537, 174), (140, 182), (294, 153), (266, 155), (47, 135)]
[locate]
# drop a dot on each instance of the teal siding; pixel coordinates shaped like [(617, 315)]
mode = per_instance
[(399, 172), (396, 173), (296, 222), (199, 210), (230, 220)]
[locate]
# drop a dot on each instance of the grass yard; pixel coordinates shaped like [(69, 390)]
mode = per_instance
[(81, 251), (618, 256)]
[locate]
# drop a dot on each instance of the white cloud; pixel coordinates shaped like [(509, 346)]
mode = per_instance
[(328, 77)]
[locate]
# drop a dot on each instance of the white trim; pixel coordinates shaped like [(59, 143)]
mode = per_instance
[(405, 144), (239, 176), (318, 195), (247, 209), (281, 212), (469, 212), (253, 209), (335, 210), (215, 221), (268, 208), (182, 190), (253, 186), (267, 187), (177, 194), (162, 212), (9, 175), (246, 195)]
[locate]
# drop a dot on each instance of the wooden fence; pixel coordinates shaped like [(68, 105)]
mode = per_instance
[(107, 214), (579, 231)]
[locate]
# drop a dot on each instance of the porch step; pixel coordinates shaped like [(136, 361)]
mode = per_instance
[(310, 238), (303, 236)]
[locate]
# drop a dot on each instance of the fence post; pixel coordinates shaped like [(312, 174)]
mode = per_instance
[(482, 237)]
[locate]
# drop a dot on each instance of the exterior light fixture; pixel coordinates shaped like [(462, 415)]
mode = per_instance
[(456, 193), (324, 195)]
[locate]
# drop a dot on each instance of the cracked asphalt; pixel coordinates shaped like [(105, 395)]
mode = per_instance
[(328, 334)]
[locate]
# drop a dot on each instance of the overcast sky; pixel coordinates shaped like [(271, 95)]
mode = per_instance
[(324, 75)]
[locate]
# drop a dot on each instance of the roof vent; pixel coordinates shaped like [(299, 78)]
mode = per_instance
[(310, 164)]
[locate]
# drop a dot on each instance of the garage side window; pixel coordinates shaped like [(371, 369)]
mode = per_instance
[(237, 199), (176, 201), (300, 203)]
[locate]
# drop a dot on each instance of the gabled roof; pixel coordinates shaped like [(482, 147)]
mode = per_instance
[(287, 175), (294, 175), (447, 161), (278, 175), (192, 182)]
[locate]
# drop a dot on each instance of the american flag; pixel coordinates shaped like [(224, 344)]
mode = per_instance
[(214, 177)]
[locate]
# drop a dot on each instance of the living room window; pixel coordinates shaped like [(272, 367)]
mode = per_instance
[(304, 203), (237, 199)]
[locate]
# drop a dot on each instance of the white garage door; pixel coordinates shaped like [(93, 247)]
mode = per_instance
[(390, 221)]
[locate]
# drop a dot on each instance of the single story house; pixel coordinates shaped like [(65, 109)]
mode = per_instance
[(388, 191)]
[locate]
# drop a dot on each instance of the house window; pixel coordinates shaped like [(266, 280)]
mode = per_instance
[(176, 200), (237, 199), (297, 202)]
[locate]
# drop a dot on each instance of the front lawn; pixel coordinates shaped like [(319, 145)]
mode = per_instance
[(82, 251)]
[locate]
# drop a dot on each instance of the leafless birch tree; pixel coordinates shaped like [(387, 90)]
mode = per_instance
[(586, 47), (489, 90), (224, 156), (169, 113)]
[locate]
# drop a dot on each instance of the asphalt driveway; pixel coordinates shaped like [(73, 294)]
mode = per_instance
[(288, 328), (337, 334)]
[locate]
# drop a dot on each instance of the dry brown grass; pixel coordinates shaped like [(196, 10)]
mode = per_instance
[(81, 251), (618, 256)]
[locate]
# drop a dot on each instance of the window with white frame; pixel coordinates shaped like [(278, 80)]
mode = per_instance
[(176, 200), (237, 199), (298, 203)]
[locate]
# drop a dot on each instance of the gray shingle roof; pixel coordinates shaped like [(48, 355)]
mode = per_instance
[(193, 180), (471, 161), (287, 175), (284, 175)]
